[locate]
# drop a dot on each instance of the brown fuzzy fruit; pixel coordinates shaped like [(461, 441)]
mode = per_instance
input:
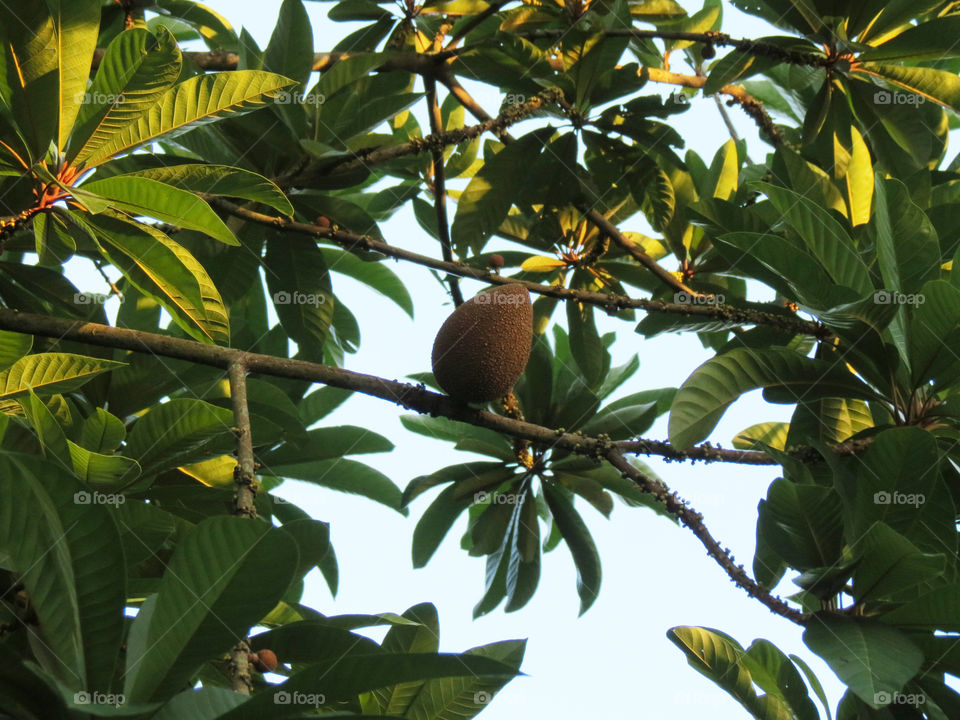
[(483, 347), (266, 661), (322, 221), (708, 52), (495, 261)]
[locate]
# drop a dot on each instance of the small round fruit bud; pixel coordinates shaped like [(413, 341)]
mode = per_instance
[(708, 52), (495, 261), (267, 661), (322, 221)]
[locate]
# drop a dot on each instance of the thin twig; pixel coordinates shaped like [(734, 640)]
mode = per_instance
[(439, 189), (693, 520), (768, 315)]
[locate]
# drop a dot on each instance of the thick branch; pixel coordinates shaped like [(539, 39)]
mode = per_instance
[(694, 521), (434, 141), (609, 302), (243, 473), (412, 397), (439, 190)]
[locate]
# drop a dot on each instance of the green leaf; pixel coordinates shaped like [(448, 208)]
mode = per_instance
[(452, 473), (938, 609), (721, 659), (68, 554), (77, 24), (50, 373), (757, 436), (375, 275), (907, 247), (871, 658), (890, 564), (13, 346), (326, 443), (578, 539), (290, 50), (940, 86), (177, 432), (164, 270), (342, 679), (144, 196), (194, 101), (224, 576), (134, 71), (585, 344), (802, 523), (484, 203), (823, 235), (300, 286), (706, 394), (460, 698), (932, 37), (220, 180), (343, 475), (439, 517)]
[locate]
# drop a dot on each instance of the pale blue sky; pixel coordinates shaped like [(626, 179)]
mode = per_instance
[(616, 660)]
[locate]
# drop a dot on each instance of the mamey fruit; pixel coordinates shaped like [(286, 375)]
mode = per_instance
[(483, 347), (322, 221), (495, 261), (708, 52), (264, 661)]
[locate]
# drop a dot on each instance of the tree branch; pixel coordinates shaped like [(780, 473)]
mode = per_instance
[(243, 474), (693, 520), (772, 316), (439, 189)]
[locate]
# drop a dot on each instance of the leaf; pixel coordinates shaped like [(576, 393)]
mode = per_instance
[(68, 554), (802, 523), (931, 37), (871, 658), (578, 539), (439, 517), (859, 180), (225, 575), (144, 196), (342, 679), (375, 275), (50, 373), (588, 351), (220, 180), (300, 286), (890, 564), (451, 473), (134, 71), (907, 245), (194, 101), (940, 86), (541, 264), (825, 237), (343, 475), (77, 24), (164, 270), (721, 659), (484, 203), (756, 436), (13, 346), (938, 609), (179, 431), (326, 443), (706, 394)]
